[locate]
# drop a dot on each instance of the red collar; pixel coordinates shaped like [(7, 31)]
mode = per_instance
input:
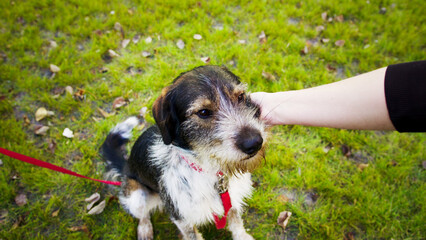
[(196, 167), (226, 199)]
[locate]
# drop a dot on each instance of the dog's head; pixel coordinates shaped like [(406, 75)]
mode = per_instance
[(208, 111)]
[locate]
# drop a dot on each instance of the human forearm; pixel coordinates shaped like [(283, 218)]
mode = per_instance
[(354, 103)]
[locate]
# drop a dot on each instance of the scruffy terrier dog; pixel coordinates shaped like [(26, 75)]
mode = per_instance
[(196, 162)]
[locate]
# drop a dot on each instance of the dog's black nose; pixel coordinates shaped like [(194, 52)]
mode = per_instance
[(249, 141)]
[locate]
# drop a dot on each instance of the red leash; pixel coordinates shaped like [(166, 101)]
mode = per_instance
[(226, 200), (50, 166)]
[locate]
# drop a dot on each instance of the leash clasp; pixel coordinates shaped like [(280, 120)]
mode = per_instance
[(222, 184)]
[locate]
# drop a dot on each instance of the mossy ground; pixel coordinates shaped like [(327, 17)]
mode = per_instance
[(305, 171)]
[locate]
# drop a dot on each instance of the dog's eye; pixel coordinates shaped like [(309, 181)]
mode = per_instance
[(241, 97), (204, 113)]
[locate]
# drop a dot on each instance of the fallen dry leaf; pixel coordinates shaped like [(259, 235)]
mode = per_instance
[(133, 70), (104, 113), (350, 236), (125, 42), (283, 219), (339, 18), (142, 112), (119, 28), (118, 102), (79, 95), (69, 90), (55, 213), (52, 146), (57, 91), (424, 164), (54, 68), (146, 54), (78, 228), (346, 150), (15, 177), (393, 163), (339, 43), (68, 133), (324, 16), (98, 208), (53, 44), (262, 37), (305, 50), (205, 59), (148, 40), (319, 28), (112, 53), (180, 44), (136, 38), (330, 68), (26, 120), (93, 197), (197, 37), (92, 200), (310, 198), (104, 70), (21, 199), (42, 113), (242, 41), (98, 32), (218, 26), (327, 148), (283, 198), (41, 130), (268, 76), (362, 166)]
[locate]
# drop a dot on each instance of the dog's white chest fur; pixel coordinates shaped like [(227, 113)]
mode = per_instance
[(194, 193)]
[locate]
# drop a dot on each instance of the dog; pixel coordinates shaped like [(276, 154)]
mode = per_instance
[(195, 163)]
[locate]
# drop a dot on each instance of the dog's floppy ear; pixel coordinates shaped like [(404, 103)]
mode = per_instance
[(165, 115)]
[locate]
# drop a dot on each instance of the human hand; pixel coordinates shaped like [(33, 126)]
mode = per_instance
[(267, 106)]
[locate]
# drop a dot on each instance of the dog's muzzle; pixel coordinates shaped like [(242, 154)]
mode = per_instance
[(249, 141)]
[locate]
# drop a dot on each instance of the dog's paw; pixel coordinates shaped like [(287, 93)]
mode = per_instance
[(145, 232), (146, 238)]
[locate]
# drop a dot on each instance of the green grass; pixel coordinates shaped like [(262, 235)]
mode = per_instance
[(329, 196)]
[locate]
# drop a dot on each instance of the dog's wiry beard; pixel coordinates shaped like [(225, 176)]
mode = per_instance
[(231, 166), (243, 166)]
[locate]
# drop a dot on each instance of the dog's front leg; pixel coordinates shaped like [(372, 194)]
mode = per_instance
[(236, 226), (189, 232)]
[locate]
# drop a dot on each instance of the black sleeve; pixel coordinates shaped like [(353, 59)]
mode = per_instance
[(405, 91)]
